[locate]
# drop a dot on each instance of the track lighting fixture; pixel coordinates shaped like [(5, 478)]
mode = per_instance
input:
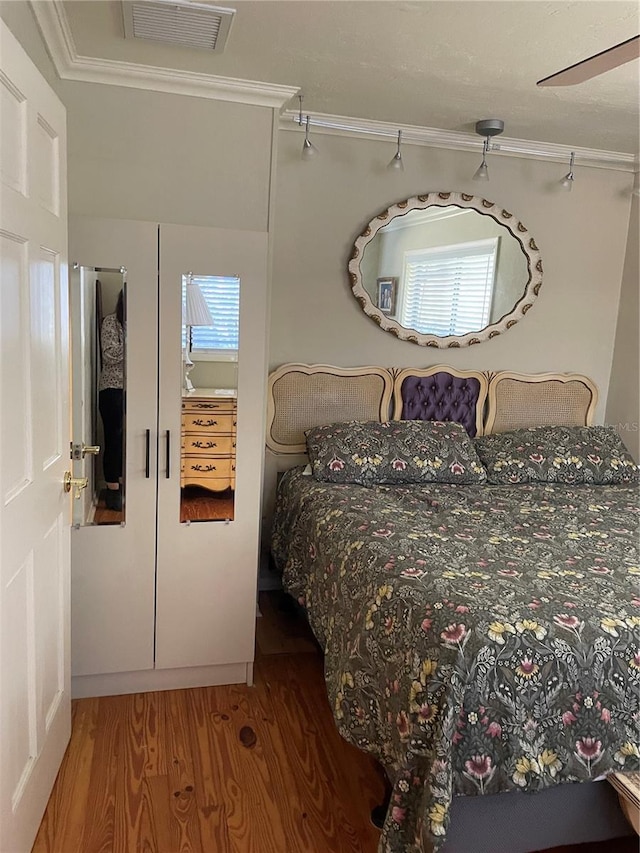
[(487, 127), (309, 150), (396, 161), (567, 182)]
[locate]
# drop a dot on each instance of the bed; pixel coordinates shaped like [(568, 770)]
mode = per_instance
[(479, 638)]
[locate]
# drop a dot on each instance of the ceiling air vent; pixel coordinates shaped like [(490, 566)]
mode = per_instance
[(183, 23)]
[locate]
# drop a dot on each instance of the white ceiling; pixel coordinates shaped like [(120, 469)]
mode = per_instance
[(433, 63)]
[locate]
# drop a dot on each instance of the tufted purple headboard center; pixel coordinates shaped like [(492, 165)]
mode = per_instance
[(441, 397)]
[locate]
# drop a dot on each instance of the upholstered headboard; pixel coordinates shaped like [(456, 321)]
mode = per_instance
[(304, 395), (441, 393)]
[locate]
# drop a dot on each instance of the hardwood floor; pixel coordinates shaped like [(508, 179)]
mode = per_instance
[(222, 769)]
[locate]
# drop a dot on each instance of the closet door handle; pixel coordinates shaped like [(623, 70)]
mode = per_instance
[(147, 454), (168, 454)]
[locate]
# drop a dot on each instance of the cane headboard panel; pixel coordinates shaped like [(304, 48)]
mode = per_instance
[(518, 400), (306, 395)]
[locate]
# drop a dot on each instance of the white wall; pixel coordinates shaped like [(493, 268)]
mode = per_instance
[(623, 403), (156, 157), (323, 204), (22, 23)]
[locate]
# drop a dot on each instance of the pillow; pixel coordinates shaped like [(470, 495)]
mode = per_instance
[(369, 452), (557, 454)]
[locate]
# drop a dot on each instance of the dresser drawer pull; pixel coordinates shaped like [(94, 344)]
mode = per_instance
[(204, 468), (200, 422), (204, 445)]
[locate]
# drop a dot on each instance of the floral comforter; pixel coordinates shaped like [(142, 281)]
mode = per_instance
[(477, 638)]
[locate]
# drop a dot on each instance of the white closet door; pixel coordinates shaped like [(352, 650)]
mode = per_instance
[(35, 512), (112, 566), (207, 571)]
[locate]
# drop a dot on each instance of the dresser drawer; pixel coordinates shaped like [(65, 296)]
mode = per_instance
[(212, 444), (209, 422), (207, 407), (200, 468)]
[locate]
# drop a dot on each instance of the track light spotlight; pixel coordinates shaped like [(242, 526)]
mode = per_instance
[(309, 150), (482, 172), (396, 161), (567, 182)]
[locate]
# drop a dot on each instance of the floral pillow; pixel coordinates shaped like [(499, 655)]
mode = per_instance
[(369, 452), (557, 454)]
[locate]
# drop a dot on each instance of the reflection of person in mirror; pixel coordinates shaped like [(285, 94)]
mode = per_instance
[(111, 402)]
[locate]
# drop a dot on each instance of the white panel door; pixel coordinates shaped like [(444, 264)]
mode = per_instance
[(207, 571), (35, 719)]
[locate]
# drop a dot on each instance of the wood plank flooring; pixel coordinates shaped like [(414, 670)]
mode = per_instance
[(223, 769)]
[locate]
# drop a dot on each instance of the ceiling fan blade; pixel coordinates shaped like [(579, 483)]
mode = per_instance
[(594, 65)]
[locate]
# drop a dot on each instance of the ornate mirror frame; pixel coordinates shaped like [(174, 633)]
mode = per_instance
[(444, 199)]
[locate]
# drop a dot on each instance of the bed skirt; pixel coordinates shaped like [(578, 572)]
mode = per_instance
[(516, 822)]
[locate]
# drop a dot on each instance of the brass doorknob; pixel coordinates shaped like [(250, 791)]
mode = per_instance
[(80, 450), (75, 483)]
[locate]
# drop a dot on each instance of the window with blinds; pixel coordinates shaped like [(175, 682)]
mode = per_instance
[(222, 295), (448, 290)]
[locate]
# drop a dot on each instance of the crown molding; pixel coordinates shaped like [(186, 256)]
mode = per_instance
[(437, 138), (70, 65)]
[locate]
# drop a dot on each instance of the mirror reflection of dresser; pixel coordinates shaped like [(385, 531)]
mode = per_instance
[(208, 452), (208, 447)]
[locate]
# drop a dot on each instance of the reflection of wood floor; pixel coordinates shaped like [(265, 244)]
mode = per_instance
[(196, 504), (106, 516)]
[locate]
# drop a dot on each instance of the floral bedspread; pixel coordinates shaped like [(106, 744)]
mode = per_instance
[(477, 638)]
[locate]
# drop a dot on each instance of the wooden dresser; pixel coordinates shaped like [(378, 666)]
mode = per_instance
[(208, 449)]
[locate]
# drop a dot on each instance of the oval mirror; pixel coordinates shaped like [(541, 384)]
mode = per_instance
[(445, 269)]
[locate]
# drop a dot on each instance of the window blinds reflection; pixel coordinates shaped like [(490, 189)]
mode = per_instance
[(222, 295), (448, 290)]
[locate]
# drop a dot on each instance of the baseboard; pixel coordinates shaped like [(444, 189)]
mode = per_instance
[(143, 681)]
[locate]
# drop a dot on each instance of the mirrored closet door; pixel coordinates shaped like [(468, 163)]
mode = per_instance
[(112, 563), (211, 428)]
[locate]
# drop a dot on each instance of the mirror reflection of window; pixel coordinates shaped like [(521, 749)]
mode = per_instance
[(448, 290), (210, 335), (458, 270)]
